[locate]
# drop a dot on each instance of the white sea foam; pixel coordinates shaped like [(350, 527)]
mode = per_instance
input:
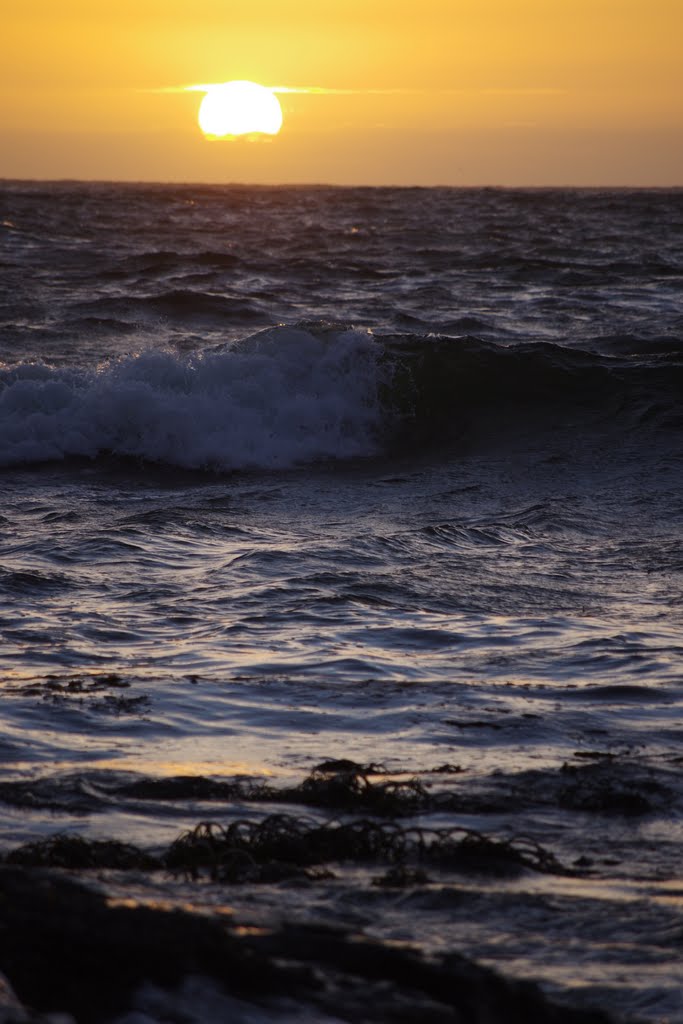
[(285, 396)]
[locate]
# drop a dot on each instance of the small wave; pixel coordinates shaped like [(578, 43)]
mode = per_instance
[(25, 582), (158, 262), (633, 345), (176, 305)]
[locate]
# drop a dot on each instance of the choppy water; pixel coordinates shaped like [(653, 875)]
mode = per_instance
[(396, 476)]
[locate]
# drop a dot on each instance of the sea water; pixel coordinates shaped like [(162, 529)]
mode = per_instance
[(389, 476)]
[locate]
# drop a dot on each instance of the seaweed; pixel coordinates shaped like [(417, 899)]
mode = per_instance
[(477, 853), (340, 785), (343, 764), (446, 769), (278, 839), (115, 705), (235, 852), (54, 685), (59, 689), (610, 787), (400, 877), (351, 789), (75, 852)]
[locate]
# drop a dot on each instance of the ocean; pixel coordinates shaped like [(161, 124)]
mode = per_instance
[(341, 599)]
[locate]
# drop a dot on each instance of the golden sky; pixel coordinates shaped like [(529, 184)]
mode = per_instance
[(503, 92)]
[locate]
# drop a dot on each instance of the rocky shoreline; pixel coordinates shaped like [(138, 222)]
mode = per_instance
[(67, 949)]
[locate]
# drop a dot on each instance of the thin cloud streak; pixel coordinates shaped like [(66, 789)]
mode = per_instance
[(320, 90)]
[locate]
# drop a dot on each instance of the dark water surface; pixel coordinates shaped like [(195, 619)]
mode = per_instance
[(384, 480)]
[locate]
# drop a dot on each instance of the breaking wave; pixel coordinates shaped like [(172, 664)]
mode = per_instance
[(283, 397), (294, 395)]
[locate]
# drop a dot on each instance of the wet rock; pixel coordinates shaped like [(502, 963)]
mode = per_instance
[(66, 949)]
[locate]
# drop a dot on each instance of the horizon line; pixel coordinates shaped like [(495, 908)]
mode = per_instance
[(346, 185)]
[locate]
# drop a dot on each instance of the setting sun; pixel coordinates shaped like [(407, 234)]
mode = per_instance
[(239, 108), (445, 92)]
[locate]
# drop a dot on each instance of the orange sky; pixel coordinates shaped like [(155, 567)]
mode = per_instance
[(508, 92)]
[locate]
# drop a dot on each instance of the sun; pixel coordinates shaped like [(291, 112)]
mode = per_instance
[(239, 108)]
